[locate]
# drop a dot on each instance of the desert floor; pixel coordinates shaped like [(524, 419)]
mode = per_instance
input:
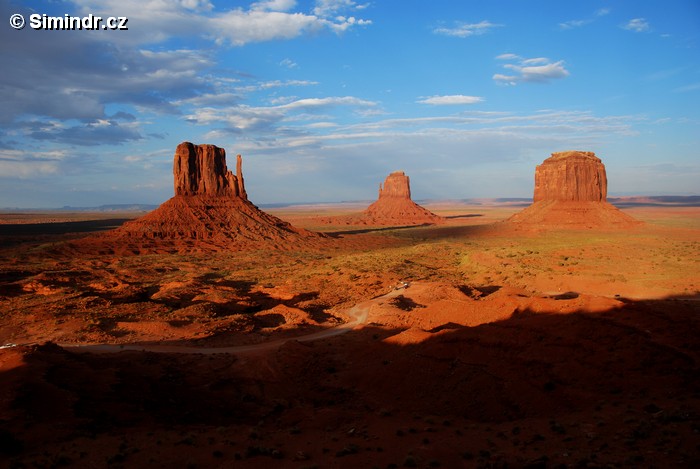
[(467, 344)]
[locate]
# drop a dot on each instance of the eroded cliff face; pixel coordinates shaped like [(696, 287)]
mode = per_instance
[(396, 186), (571, 191), (395, 207), (574, 176), (210, 211), (201, 170)]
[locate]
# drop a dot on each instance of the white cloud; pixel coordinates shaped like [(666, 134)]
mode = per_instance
[(242, 27), (196, 5), (573, 24), (451, 99), (637, 25), (288, 63), (327, 8), (155, 21), (466, 29), (534, 70), (508, 57), (330, 101), (274, 5), (270, 118), (28, 165)]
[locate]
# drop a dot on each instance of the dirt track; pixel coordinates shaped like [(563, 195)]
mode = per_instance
[(358, 312)]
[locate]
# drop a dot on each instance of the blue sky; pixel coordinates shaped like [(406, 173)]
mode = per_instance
[(325, 98)]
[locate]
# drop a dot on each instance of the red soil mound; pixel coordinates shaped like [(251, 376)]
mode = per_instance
[(576, 215), (210, 211), (393, 207), (570, 192)]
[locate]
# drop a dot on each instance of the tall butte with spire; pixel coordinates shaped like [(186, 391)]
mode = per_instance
[(210, 210), (571, 190)]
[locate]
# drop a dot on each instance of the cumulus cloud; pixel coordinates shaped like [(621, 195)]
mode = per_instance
[(637, 25), (533, 70), (461, 29), (155, 21), (274, 5), (451, 99), (328, 8), (91, 74)]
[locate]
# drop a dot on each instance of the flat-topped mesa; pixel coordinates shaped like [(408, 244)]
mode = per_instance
[(396, 185), (201, 170), (576, 176), (571, 191)]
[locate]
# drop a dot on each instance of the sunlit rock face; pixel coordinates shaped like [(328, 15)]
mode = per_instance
[(576, 176), (395, 207), (571, 191)]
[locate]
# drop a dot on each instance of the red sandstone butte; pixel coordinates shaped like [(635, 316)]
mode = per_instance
[(393, 207), (201, 170), (571, 176), (571, 190), (210, 211)]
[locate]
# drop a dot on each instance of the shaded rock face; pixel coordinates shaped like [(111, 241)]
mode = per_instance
[(210, 211), (574, 176), (396, 185), (201, 170)]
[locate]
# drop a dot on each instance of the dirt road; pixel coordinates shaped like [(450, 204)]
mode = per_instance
[(358, 313)]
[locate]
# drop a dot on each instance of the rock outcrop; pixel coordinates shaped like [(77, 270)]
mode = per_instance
[(577, 176), (210, 211), (571, 191), (396, 186), (201, 170), (393, 207)]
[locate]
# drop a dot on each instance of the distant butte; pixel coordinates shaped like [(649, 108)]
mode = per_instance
[(210, 211), (393, 207), (571, 191)]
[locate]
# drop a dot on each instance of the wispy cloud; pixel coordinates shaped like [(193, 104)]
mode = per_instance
[(273, 5), (534, 70), (461, 29), (276, 120), (637, 25), (288, 63), (451, 100), (686, 88), (573, 24), (327, 8)]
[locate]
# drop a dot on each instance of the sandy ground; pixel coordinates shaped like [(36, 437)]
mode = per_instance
[(507, 349)]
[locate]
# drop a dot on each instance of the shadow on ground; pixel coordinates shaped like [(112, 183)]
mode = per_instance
[(618, 388)]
